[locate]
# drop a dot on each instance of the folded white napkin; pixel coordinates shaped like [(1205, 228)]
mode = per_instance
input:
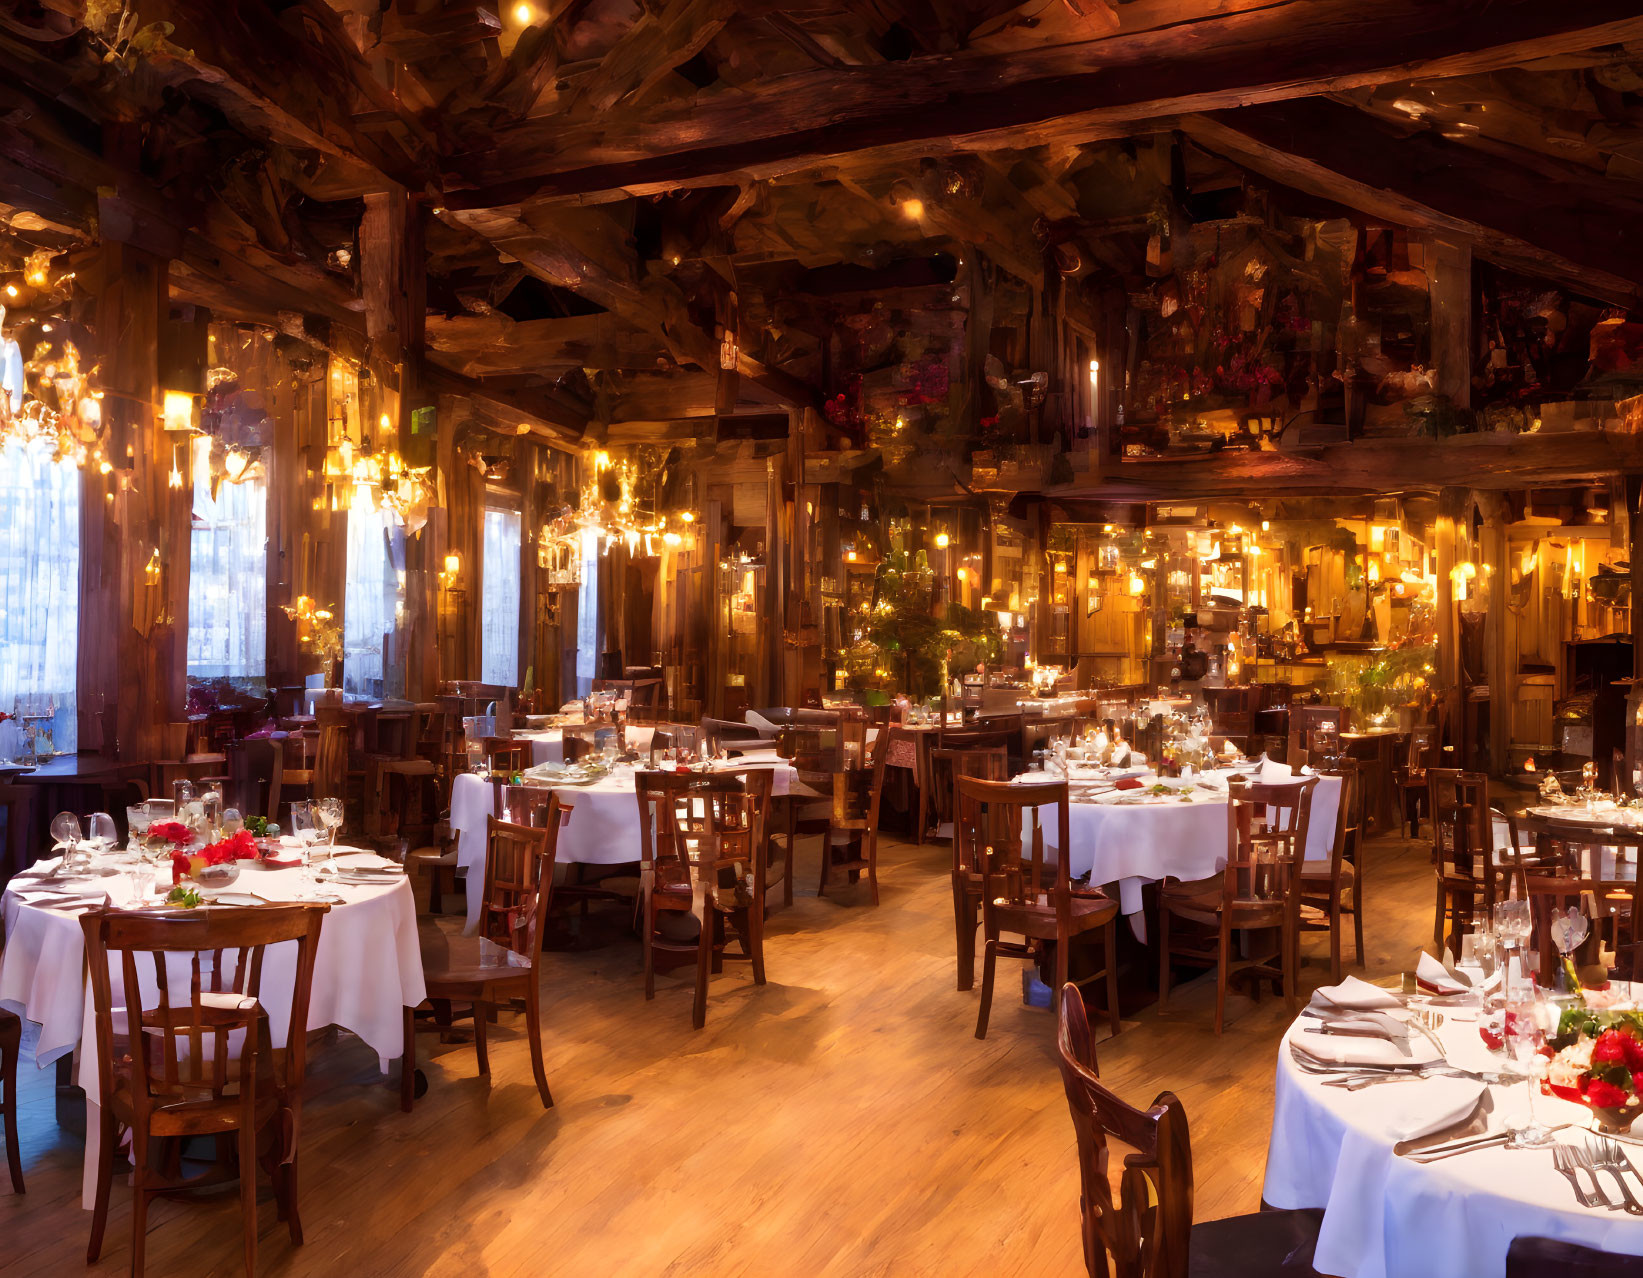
[(1366, 1024), (1433, 973), (359, 859), (1432, 1105), (1354, 994), (1343, 1049)]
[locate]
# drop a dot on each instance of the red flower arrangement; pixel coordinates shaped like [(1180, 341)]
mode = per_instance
[(172, 832), (239, 846)]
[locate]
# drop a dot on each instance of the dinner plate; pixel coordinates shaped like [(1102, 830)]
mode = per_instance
[(234, 898)]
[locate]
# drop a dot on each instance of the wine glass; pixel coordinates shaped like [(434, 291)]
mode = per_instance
[(1525, 1031), (303, 821), (65, 838), (137, 822), (102, 835), (1513, 925), (330, 816)]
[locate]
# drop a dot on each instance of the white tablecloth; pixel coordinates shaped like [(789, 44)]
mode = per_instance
[(367, 970), (1386, 1217), (603, 828), (1132, 843)]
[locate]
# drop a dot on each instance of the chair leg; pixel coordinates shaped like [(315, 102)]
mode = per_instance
[(1222, 964), (108, 1139), (1163, 957), (248, 1195), (139, 1200), (988, 961), (871, 839), (704, 964), (752, 922), (787, 854), (964, 928), (1437, 926), (14, 1157), (1060, 981), (481, 1046), (1335, 939), (826, 860), (533, 1027), (1291, 942), (288, 1186), (435, 902), (1357, 919), (407, 1063), (647, 942), (1111, 944)]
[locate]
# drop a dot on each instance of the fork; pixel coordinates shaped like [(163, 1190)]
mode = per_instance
[(1563, 1159), (1607, 1155)]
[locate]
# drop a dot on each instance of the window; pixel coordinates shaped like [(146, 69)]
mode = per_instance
[(39, 591), (499, 627), (587, 615), (227, 589), (373, 659)]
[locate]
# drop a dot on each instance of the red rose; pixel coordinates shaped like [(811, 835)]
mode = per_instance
[(1604, 1095), (180, 867), (1637, 1082), (1634, 1051), (171, 832), (1610, 1048)]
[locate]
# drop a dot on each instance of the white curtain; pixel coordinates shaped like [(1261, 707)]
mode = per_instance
[(373, 660), (39, 590), (587, 615), (499, 628), (227, 584)]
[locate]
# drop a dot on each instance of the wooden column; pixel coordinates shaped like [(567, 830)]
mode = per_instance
[(134, 528), (1449, 267), (1501, 670), (1451, 507)]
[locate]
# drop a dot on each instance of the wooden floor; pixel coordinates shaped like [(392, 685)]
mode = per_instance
[(842, 1120)]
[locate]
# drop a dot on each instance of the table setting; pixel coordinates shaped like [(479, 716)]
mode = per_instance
[(601, 821), (367, 970), (1436, 1121)]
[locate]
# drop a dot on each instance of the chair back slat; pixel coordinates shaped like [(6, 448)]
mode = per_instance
[(998, 837), (1266, 843), (519, 880)]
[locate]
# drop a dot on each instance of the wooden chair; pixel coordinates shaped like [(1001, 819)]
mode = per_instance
[(1149, 1232), (1258, 892), (1462, 843), (858, 786), (674, 736), (703, 846), (1574, 864), (1000, 840), (1304, 721), (1531, 1257), (1233, 713), (729, 734), (1410, 780), (1042, 733), (578, 740), (204, 1063), (502, 964), (255, 770), (982, 763), (1333, 887), (11, 1042)]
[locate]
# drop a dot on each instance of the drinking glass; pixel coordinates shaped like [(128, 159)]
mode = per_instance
[(330, 816), (1512, 925), (65, 838), (142, 882), (1525, 1031), (102, 834), (137, 823), (303, 821)]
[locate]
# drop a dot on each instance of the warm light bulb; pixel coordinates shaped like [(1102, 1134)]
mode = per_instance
[(234, 464), (687, 517), (912, 209), (524, 14), (942, 541), (672, 539), (453, 564), (177, 411)]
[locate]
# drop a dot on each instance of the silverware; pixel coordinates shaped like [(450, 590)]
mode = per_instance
[(1563, 1160), (1605, 1155), (1583, 1161), (1439, 1152)]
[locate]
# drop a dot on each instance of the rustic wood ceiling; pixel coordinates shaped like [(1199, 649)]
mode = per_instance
[(605, 186)]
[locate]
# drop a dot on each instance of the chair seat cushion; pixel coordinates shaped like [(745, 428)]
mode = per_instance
[(1266, 1244)]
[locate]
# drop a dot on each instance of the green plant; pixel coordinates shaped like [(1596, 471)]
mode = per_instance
[(905, 636)]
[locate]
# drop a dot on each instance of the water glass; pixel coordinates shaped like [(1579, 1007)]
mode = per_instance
[(142, 882)]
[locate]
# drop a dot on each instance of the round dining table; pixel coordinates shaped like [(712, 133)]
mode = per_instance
[(602, 828), (1389, 1216), (1131, 838), (367, 969)]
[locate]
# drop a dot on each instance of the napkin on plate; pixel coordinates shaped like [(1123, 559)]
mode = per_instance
[(1354, 994), (1434, 975), (1365, 1024), (1432, 1105), (1342, 1049)]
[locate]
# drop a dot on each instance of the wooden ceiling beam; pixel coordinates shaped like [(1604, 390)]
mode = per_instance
[(1287, 49), (486, 345), (1493, 462), (586, 251), (1526, 219)]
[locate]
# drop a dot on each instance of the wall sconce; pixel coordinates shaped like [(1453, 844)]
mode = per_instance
[(943, 541), (728, 351), (1138, 584), (178, 411), (451, 571), (151, 570)]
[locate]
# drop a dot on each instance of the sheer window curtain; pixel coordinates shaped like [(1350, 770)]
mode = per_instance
[(373, 661), (39, 590), (499, 627), (227, 581)]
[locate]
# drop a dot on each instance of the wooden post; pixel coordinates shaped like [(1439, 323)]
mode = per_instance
[(134, 528), (1501, 671), (1449, 268)]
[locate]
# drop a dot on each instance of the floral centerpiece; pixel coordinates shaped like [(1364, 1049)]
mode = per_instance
[(173, 832), (216, 862), (1597, 1059)]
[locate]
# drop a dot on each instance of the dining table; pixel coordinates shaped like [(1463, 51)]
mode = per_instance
[(1395, 1204), (367, 968), (1132, 837), (602, 825)]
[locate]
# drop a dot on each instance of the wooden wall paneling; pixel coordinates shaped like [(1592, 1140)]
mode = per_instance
[(134, 632), (774, 669), (1502, 671), (461, 599), (713, 613), (530, 575), (1450, 273)]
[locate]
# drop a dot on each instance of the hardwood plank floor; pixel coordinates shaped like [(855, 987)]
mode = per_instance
[(842, 1121)]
